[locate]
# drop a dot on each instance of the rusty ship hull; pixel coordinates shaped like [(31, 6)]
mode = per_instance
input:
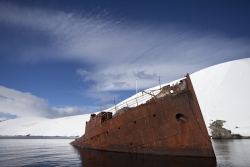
[(170, 123)]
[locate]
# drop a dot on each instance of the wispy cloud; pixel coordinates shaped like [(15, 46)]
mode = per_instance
[(144, 75), (118, 51), (22, 104)]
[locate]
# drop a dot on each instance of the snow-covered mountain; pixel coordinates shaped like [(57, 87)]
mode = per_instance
[(36, 126), (223, 92)]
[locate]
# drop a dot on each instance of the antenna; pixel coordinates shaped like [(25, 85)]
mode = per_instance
[(115, 104), (136, 92), (160, 81), (136, 86)]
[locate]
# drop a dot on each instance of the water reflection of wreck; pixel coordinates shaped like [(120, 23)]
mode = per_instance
[(167, 121), (94, 158)]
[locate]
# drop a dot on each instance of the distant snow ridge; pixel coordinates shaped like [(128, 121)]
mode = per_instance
[(222, 91)]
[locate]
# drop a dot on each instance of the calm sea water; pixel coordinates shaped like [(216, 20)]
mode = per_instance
[(33, 151)]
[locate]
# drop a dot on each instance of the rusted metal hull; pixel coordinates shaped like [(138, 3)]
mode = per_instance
[(170, 123)]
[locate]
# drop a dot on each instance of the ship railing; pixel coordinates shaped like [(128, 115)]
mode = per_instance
[(138, 99)]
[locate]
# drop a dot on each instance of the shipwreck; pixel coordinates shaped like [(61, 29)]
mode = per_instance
[(165, 121)]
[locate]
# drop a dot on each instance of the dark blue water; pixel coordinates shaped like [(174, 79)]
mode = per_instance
[(29, 151)]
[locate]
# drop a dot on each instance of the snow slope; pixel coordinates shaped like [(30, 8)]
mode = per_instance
[(223, 92)]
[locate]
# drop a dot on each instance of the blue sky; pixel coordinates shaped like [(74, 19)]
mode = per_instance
[(68, 58)]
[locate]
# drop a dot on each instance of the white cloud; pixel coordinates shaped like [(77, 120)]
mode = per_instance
[(117, 51), (21, 104), (84, 74), (25, 105)]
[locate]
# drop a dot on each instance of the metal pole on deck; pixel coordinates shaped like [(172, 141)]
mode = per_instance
[(136, 86), (160, 81), (136, 92), (115, 104)]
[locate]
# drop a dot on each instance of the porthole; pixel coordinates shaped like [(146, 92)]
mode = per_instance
[(181, 118)]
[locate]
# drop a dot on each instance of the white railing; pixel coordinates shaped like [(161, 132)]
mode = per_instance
[(137, 99)]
